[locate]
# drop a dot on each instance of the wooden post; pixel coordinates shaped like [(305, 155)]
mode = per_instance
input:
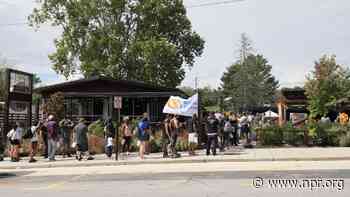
[(117, 135), (280, 113)]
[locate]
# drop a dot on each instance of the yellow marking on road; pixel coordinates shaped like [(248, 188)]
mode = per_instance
[(245, 183), (57, 185)]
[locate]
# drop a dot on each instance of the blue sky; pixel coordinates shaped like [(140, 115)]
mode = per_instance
[(291, 34)]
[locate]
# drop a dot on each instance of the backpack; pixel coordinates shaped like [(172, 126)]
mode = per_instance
[(28, 134), (228, 127)]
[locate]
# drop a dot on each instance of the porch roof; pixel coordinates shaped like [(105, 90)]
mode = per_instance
[(103, 86), (294, 96)]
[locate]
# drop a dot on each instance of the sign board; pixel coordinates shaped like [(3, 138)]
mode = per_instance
[(118, 102)]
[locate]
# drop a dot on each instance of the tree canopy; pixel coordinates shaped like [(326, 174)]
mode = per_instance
[(249, 84), (55, 106), (151, 40), (249, 81), (327, 83)]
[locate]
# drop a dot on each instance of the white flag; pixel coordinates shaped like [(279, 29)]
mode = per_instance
[(180, 106)]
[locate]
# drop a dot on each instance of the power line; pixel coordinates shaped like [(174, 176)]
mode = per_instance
[(13, 24), (208, 4), (214, 3)]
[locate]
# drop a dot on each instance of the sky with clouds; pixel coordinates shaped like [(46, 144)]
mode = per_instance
[(291, 34)]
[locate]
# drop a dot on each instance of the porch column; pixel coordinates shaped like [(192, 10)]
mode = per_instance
[(281, 114)]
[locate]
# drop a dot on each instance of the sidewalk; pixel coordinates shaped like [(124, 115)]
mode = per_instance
[(234, 155)]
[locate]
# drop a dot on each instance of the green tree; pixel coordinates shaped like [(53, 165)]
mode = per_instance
[(249, 84), (327, 83), (245, 48), (188, 90), (36, 80), (3, 66), (55, 105), (209, 97), (151, 40), (36, 97)]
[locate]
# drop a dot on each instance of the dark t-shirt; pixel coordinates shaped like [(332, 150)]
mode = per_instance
[(52, 130), (212, 125)]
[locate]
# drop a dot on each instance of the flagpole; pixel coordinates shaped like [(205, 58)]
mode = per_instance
[(199, 115)]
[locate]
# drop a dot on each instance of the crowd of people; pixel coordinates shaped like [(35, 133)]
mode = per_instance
[(214, 131), (53, 135)]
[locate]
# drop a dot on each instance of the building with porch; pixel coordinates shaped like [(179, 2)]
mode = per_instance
[(94, 98), (292, 101)]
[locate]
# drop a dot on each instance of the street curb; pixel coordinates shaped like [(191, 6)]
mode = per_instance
[(175, 161)]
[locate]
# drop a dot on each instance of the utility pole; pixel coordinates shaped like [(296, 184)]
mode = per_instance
[(196, 84)]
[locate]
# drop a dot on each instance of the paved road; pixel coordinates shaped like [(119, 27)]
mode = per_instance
[(175, 183)]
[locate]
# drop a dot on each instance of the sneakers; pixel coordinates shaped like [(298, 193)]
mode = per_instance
[(177, 155), (32, 160), (90, 158), (165, 156)]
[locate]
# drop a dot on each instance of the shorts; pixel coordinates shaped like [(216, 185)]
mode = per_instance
[(15, 142), (34, 145), (144, 137)]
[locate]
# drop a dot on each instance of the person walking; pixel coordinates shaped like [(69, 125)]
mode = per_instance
[(52, 136), (174, 132), (221, 133), (192, 127), (43, 135), (228, 130), (212, 133), (234, 135), (14, 137), (34, 141), (127, 135), (109, 133), (166, 135), (66, 126), (143, 128), (82, 146), (245, 126), (148, 135)]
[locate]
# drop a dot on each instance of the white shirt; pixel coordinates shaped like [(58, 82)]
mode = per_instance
[(243, 120), (109, 142), (18, 133), (35, 135)]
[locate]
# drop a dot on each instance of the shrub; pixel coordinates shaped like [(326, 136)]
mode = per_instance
[(155, 145), (344, 140), (325, 134), (97, 128), (293, 136), (271, 135)]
